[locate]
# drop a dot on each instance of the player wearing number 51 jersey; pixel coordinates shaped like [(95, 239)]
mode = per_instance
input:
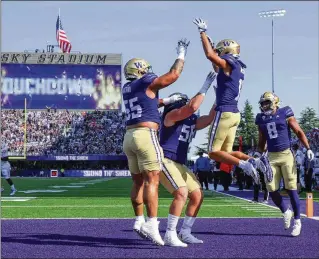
[(274, 125), (225, 59), (179, 126), (141, 145)]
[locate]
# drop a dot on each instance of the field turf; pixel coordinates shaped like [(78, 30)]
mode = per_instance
[(92, 218)]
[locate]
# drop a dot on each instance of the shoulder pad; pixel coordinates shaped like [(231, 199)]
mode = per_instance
[(148, 78), (288, 112), (257, 120)]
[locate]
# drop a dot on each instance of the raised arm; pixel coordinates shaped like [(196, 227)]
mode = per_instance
[(193, 105), (207, 45), (175, 71), (205, 120)]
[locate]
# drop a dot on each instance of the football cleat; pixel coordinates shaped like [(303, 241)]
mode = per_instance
[(171, 239), (13, 192), (188, 238), (2, 189), (151, 232), (296, 229), (287, 215), (137, 228)]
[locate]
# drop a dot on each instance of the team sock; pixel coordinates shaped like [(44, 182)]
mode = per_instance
[(295, 203), (188, 224), (278, 200), (172, 221)]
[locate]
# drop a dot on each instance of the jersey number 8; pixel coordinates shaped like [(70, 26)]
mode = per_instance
[(272, 130)]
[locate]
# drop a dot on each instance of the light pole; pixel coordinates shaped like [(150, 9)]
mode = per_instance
[(272, 14)]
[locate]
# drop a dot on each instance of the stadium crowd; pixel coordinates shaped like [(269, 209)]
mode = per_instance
[(63, 132)]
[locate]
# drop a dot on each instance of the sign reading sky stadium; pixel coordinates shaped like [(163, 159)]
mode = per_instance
[(60, 81)]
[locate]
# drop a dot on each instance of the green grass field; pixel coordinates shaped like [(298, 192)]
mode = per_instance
[(107, 198)]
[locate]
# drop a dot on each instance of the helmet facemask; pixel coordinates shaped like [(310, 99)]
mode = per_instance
[(267, 107)]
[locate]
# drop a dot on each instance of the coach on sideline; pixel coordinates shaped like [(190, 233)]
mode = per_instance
[(202, 169)]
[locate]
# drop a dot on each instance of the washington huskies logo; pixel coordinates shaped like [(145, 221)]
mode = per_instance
[(138, 64), (226, 43)]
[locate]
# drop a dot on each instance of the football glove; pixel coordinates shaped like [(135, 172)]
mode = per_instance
[(310, 155), (172, 99), (201, 24), (182, 46)]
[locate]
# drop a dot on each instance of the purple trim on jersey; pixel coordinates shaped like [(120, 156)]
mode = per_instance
[(156, 146), (227, 108), (169, 177), (214, 130)]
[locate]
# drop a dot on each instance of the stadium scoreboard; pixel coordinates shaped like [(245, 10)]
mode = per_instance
[(61, 81)]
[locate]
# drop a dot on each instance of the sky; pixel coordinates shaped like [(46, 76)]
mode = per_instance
[(151, 30)]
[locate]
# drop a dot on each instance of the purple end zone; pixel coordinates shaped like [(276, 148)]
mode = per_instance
[(112, 238), (249, 195)]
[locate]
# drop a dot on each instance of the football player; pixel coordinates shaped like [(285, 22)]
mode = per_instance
[(274, 126), (179, 126), (231, 70), (141, 145), (6, 167)]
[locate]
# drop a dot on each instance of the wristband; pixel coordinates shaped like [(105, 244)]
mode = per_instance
[(181, 55)]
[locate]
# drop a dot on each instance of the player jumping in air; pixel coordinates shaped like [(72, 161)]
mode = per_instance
[(225, 60), (6, 167), (274, 126), (179, 126), (141, 145)]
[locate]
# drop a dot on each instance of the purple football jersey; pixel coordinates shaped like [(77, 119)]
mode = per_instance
[(229, 87), (175, 140), (276, 129), (139, 107)]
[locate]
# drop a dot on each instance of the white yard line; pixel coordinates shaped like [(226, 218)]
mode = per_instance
[(262, 204)]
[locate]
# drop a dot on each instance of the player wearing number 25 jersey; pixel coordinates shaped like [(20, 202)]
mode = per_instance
[(141, 145), (274, 126), (225, 59), (179, 125)]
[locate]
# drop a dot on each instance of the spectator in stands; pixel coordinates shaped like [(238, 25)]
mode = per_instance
[(225, 175), (216, 174), (309, 166), (202, 169), (240, 176)]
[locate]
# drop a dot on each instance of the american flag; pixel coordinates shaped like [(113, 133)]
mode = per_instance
[(62, 39)]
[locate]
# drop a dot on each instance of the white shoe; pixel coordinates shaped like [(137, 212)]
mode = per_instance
[(265, 202), (250, 169), (2, 189), (188, 238), (287, 218), (296, 229), (13, 192), (171, 239), (137, 227), (151, 232)]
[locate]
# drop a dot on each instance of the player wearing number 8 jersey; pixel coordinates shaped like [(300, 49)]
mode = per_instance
[(274, 126), (225, 59), (141, 145), (179, 126)]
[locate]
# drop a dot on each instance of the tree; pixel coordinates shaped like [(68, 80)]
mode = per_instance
[(247, 127), (308, 120)]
